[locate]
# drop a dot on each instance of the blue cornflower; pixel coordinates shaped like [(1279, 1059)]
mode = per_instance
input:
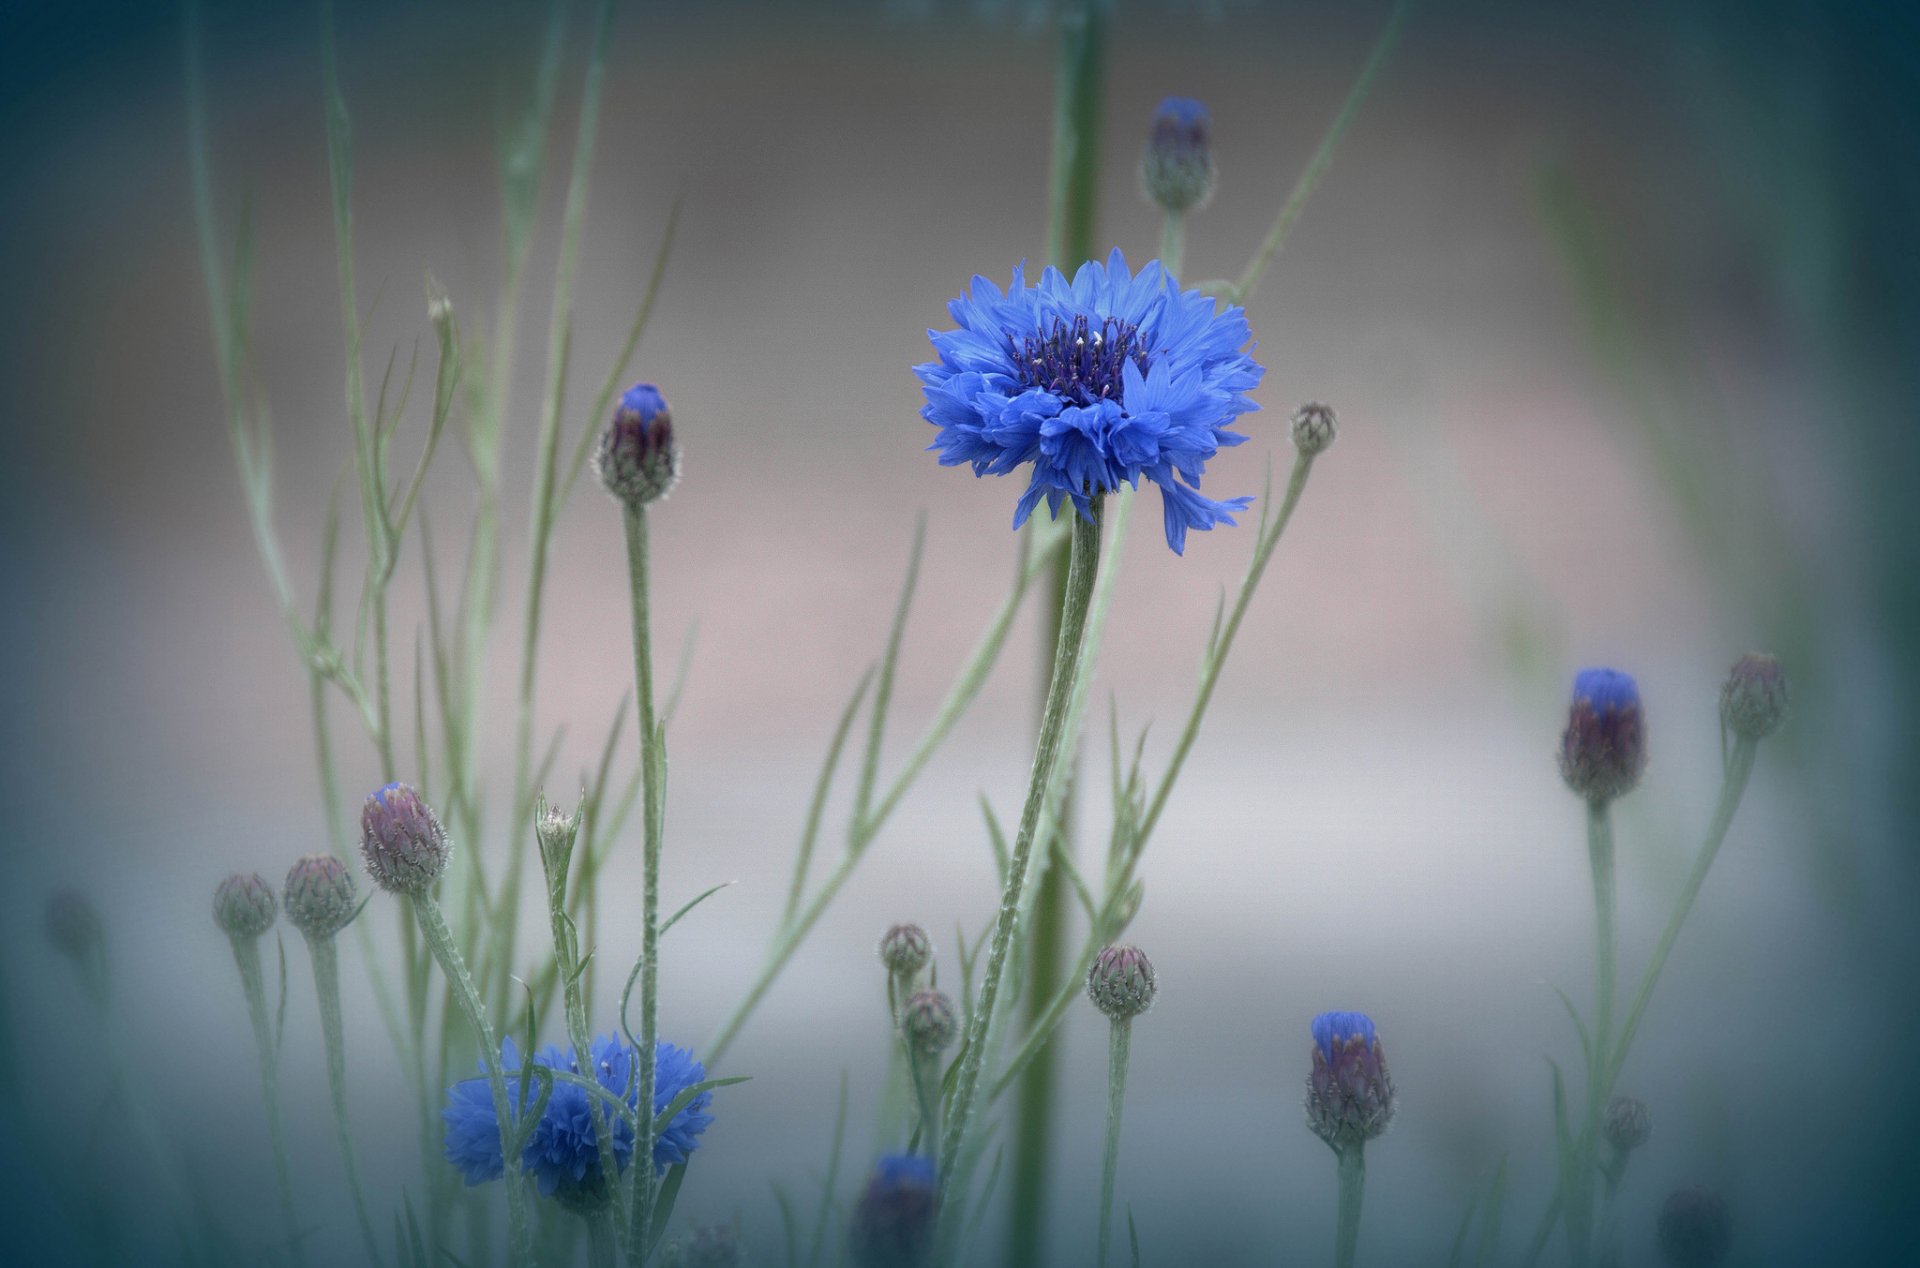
[(1349, 1091), (1095, 382), (563, 1155)]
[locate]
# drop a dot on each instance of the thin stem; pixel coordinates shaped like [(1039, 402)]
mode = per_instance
[(1732, 788), (1119, 1038), (246, 954), (1353, 1183), (1322, 158), (1081, 568), (440, 941), (1173, 242), (794, 930), (602, 1239), (653, 769), (326, 988), (926, 1090), (1216, 656), (1607, 1253), (1579, 1206), (1074, 177)]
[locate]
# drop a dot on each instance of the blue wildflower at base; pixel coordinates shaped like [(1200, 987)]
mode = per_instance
[(893, 1224), (1097, 382), (563, 1154)]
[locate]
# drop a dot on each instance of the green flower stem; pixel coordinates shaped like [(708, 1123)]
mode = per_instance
[(653, 766), (1607, 1254), (1119, 1038), (1173, 242), (1072, 214), (1733, 787), (926, 1091), (246, 954), (860, 834), (1322, 158), (1579, 1209), (603, 1249), (326, 988), (1353, 1183), (440, 942), (1082, 565)]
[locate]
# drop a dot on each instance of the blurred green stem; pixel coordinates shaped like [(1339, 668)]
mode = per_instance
[(326, 989), (1322, 159), (1119, 1038), (1173, 242), (246, 954), (434, 927), (653, 769), (602, 1242), (1082, 566), (1353, 1183), (1579, 1208)]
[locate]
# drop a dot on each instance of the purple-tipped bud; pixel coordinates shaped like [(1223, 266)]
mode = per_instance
[(403, 843), (1627, 1122), (1314, 428), (1604, 748), (73, 925), (905, 950), (893, 1224), (1120, 982), (243, 905), (929, 1022), (1753, 703), (320, 896), (637, 460), (1349, 1093), (1177, 169), (1695, 1230), (708, 1246)]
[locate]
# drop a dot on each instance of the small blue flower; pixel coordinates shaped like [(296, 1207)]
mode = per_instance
[(563, 1155), (638, 460), (1330, 1029), (1095, 382)]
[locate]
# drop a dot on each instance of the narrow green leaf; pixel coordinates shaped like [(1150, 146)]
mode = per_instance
[(1002, 860), (889, 662), (692, 903), (816, 806), (664, 1203)]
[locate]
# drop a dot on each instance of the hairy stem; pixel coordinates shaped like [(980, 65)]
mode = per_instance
[(440, 942), (1119, 1038), (326, 988), (1353, 1183), (246, 954), (653, 769), (1082, 564)]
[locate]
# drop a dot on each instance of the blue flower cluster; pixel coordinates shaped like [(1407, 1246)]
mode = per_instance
[(563, 1154), (1095, 382)]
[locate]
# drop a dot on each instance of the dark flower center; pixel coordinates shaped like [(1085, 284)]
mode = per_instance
[(1079, 362)]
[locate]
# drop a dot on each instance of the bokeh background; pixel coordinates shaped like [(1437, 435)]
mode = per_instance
[(1618, 307)]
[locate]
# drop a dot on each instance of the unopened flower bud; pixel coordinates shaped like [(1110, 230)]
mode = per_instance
[(319, 897), (893, 1223), (243, 905), (1314, 428), (708, 1246), (1349, 1093), (929, 1022), (905, 950), (637, 460), (1695, 1230), (1177, 169), (1120, 982), (1627, 1123), (556, 829), (403, 843), (73, 925), (1753, 703), (1604, 748)]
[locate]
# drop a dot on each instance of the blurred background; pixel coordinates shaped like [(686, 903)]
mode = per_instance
[(1618, 307)]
